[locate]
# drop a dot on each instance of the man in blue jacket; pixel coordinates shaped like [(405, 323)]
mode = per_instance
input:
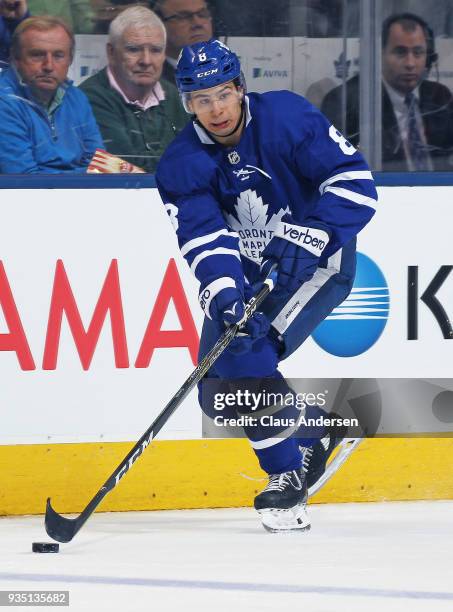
[(47, 123)]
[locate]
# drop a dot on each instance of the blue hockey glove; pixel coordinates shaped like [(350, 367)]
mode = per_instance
[(221, 300), (224, 303), (256, 327), (296, 250)]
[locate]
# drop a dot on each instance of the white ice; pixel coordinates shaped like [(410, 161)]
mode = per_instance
[(357, 557)]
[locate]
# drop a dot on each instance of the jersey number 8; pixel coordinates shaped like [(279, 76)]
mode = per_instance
[(344, 144)]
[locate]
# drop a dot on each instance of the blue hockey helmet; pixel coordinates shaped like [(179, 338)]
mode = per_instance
[(204, 65)]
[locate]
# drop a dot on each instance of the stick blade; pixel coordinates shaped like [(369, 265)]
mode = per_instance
[(58, 527)]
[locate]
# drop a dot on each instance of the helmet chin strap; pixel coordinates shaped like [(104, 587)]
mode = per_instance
[(238, 124)]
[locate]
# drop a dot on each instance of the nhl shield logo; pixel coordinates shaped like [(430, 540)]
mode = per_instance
[(234, 157)]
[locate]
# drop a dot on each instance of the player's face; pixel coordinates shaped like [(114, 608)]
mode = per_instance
[(187, 22), (136, 60), (44, 60), (218, 109), (404, 58)]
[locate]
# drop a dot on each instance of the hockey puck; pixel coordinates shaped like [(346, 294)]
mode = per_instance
[(45, 547)]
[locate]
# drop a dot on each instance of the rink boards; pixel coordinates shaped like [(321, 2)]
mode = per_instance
[(99, 325), (209, 474)]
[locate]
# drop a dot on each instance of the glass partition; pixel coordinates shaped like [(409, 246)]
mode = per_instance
[(385, 84)]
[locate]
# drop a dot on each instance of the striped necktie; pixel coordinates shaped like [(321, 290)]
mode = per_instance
[(417, 148)]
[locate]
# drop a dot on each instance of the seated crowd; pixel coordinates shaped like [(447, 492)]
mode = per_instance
[(49, 125), (131, 107)]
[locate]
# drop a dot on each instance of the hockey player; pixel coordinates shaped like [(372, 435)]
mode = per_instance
[(254, 181)]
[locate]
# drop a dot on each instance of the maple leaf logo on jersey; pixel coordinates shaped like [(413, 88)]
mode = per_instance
[(252, 224)]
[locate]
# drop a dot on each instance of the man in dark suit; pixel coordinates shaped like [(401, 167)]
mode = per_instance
[(417, 114), (186, 22)]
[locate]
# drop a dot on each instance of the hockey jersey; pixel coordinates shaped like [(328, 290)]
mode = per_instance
[(226, 202)]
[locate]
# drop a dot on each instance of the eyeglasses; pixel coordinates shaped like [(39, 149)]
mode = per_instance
[(204, 14)]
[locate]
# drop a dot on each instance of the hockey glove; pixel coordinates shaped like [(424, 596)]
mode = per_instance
[(256, 327), (221, 300), (226, 306), (296, 250)]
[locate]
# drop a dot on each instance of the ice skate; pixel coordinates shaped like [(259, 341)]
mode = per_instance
[(282, 504), (316, 464)]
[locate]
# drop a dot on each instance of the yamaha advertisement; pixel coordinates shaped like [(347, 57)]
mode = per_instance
[(108, 315)]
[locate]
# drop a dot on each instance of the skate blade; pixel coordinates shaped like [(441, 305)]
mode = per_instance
[(345, 448), (276, 520)]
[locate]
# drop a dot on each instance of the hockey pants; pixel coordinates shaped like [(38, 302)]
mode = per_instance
[(277, 448)]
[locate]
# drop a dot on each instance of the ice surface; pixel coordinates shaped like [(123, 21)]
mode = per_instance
[(357, 557)]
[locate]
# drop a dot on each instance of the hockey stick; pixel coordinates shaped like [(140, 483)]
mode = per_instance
[(64, 529)]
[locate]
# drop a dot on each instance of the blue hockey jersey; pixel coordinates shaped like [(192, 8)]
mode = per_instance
[(226, 202)]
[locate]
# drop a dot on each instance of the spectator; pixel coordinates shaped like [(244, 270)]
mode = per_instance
[(47, 124), (417, 114), (138, 115), (186, 22), (12, 12), (78, 14)]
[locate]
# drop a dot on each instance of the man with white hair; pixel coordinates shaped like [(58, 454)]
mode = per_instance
[(138, 114)]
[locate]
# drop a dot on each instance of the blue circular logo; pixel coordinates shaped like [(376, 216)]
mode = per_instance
[(356, 324)]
